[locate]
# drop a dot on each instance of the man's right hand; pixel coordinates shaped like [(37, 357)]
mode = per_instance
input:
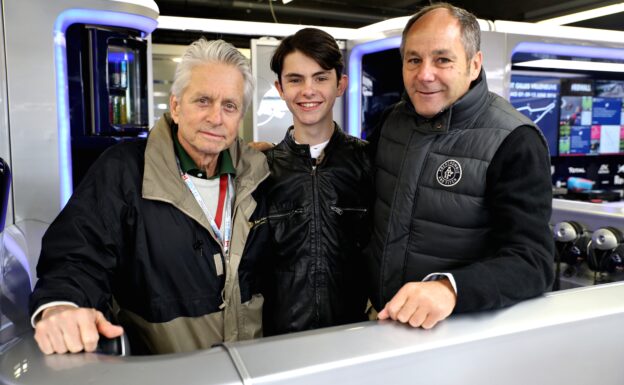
[(63, 329)]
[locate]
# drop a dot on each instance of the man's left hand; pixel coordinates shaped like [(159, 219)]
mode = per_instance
[(421, 304), (261, 146)]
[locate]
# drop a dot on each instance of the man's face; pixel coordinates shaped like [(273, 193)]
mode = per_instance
[(436, 72), (209, 110), (309, 90)]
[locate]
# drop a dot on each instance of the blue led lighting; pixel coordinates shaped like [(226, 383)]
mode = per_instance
[(63, 21), (570, 50), (116, 57), (354, 106)]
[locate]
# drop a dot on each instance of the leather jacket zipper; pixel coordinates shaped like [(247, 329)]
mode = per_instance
[(317, 229), (263, 220), (341, 210)]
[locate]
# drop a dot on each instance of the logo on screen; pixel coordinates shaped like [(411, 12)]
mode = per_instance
[(271, 107)]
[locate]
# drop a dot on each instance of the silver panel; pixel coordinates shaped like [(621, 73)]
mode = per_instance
[(591, 215), (5, 149), (571, 337), (22, 363)]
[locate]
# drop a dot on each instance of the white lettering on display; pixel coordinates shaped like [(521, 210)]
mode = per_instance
[(580, 87), (532, 94), (576, 170), (618, 180), (533, 90), (620, 168)]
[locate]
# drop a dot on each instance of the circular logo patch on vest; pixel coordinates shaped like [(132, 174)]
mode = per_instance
[(449, 173)]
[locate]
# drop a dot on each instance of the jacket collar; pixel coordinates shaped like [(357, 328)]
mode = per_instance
[(162, 180), (304, 149), (187, 164), (460, 114)]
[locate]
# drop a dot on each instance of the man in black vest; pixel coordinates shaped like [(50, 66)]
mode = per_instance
[(463, 185)]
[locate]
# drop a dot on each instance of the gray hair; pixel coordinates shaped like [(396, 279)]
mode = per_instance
[(202, 51), (468, 25)]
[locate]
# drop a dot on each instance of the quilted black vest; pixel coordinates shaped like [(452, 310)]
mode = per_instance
[(430, 214)]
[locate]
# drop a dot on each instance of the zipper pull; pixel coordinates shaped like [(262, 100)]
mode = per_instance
[(257, 222), (336, 210), (198, 247)]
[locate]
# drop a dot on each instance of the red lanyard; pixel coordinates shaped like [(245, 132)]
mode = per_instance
[(223, 186)]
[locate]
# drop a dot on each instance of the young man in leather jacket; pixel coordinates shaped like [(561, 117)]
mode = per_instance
[(318, 195)]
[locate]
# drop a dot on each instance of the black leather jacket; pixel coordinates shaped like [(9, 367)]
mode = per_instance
[(319, 217)]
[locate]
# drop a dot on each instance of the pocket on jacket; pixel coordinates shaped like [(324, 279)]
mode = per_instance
[(250, 318), (354, 223), (276, 216)]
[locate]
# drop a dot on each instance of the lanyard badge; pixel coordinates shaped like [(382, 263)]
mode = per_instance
[(224, 208)]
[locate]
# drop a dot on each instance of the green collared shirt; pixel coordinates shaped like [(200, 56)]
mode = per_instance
[(225, 165)]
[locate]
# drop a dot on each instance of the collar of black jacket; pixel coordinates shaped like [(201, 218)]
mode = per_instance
[(457, 115), (304, 149)]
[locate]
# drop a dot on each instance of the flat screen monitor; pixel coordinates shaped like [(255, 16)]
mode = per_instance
[(537, 97), (591, 118), (578, 116)]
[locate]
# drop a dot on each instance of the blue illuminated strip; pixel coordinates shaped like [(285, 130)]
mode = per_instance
[(63, 21), (570, 50), (354, 107)]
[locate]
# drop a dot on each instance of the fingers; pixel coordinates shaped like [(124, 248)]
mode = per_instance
[(430, 322), (63, 329), (68, 329), (45, 345), (409, 311), (72, 339), (50, 340), (88, 330), (106, 328), (392, 308), (420, 304), (261, 146)]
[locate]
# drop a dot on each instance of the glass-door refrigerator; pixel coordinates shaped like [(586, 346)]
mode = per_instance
[(107, 73)]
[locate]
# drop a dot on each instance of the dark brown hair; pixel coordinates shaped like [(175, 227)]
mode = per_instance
[(315, 44)]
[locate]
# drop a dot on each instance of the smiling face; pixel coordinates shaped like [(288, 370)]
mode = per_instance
[(209, 110), (436, 72), (309, 91)]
